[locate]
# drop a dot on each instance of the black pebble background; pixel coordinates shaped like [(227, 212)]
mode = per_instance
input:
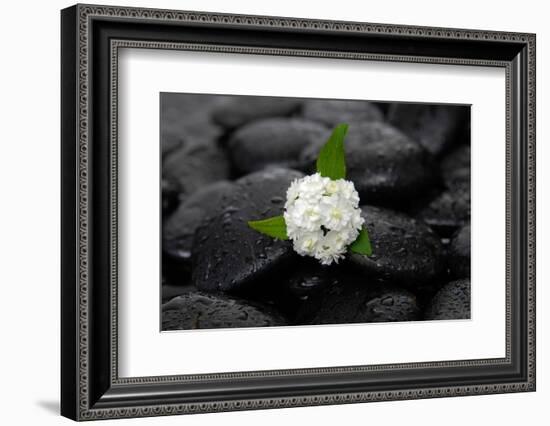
[(230, 159)]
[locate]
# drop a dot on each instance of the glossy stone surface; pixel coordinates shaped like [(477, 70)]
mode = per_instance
[(386, 166), (186, 120), (240, 110), (170, 291), (179, 229), (435, 127), (228, 255), (356, 299), (274, 141), (451, 302), (455, 167), (195, 166), (459, 253), (449, 210), (170, 196), (205, 311), (333, 112), (404, 249)]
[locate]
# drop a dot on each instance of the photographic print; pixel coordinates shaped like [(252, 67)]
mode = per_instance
[(291, 212), (318, 197)]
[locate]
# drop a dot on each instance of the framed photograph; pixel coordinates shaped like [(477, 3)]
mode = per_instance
[(263, 212)]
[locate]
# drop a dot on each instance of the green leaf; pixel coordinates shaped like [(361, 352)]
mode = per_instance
[(362, 244), (331, 161), (274, 227)]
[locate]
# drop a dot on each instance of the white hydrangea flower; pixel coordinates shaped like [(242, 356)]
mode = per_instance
[(322, 217)]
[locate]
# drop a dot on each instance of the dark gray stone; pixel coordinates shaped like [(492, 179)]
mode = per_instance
[(186, 120), (305, 280), (456, 166), (179, 229), (170, 291), (205, 311), (332, 112), (451, 302), (404, 249), (449, 210), (228, 255), (239, 110), (170, 196), (386, 166), (171, 139), (196, 165), (359, 300), (459, 253), (274, 141), (435, 127)]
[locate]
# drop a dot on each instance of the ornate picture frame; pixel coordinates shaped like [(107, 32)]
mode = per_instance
[(91, 37)]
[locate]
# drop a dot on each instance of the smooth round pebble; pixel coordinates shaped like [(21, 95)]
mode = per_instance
[(239, 110), (170, 196), (359, 300), (385, 165), (403, 248), (274, 141), (459, 253), (305, 280), (169, 291), (204, 311), (456, 166), (449, 210), (332, 112), (195, 166), (435, 127), (455, 169), (451, 302), (185, 119), (179, 228), (228, 255), (170, 140)]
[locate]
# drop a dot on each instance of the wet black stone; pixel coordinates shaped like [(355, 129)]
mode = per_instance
[(170, 140), (170, 196), (333, 112), (227, 255), (451, 302), (404, 249), (274, 141), (455, 167), (239, 110), (178, 135), (459, 253), (178, 229), (382, 106), (295, 286), (449, 210), (204, 311), (386, 166), (191, 156), (359, 300), (185, 120), (435, 127), (170, 291), (196, 165), (306, 280)]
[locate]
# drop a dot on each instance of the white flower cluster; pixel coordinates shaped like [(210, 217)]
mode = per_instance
[(322, 217)]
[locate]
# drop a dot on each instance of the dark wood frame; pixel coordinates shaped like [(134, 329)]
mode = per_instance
[(91, 37)]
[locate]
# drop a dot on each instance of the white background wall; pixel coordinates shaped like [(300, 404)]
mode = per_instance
[(29, 225)]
